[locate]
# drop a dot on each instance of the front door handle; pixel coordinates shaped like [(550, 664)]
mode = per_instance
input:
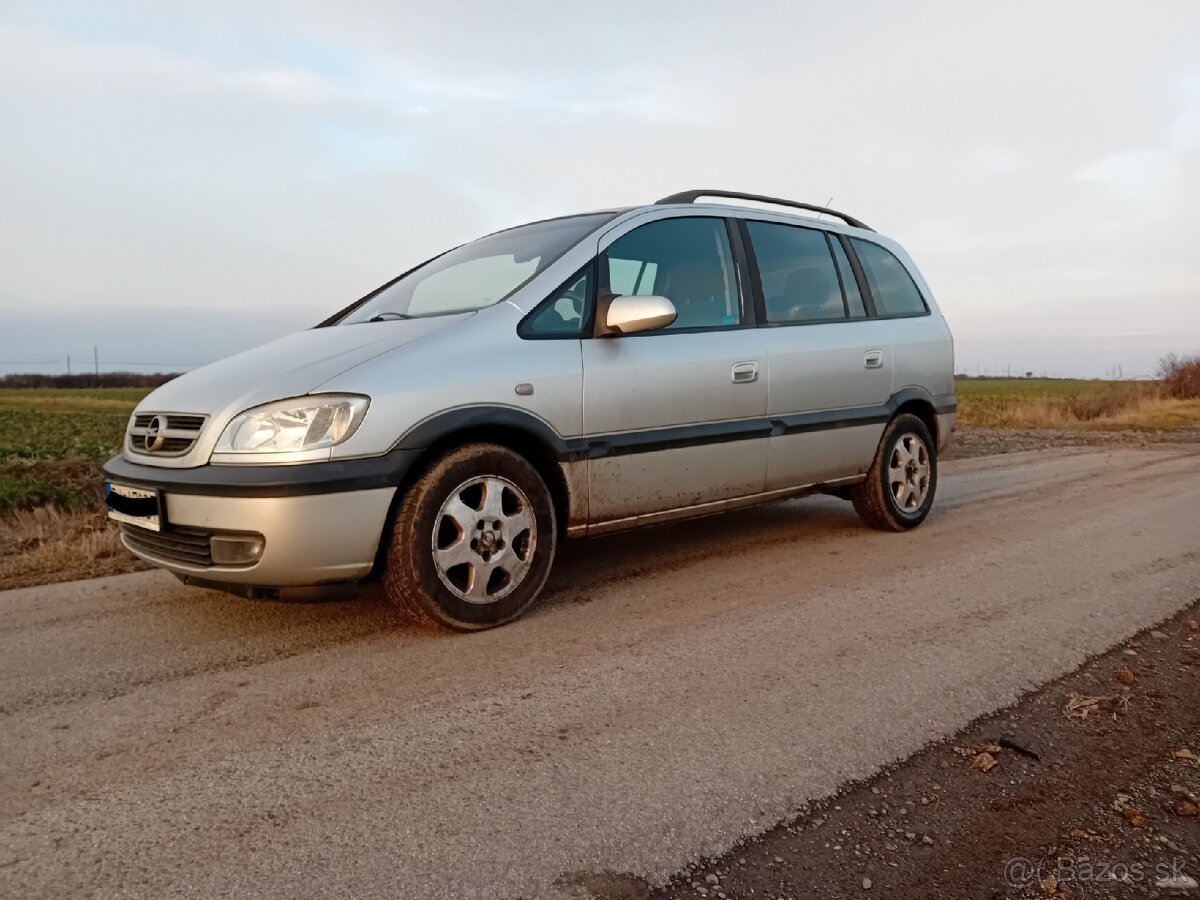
[(745, 372), (873, 359)]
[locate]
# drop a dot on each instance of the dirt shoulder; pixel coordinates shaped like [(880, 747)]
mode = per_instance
[(1088, 787), (972, 442)]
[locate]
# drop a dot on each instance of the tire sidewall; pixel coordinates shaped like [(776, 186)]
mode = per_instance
[(412, 546), (902, 425)]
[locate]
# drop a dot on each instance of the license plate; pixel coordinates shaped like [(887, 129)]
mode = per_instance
[(136, 506)]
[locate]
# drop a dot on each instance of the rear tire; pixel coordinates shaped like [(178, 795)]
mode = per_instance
[(472, 541), (902, 480)]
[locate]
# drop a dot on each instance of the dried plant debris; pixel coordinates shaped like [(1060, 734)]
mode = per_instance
[(1080, 706), (982, 758)]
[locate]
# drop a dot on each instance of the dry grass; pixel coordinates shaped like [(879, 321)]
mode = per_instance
[(1180, 376), (1061, 404), (46, 545), (52, 526)]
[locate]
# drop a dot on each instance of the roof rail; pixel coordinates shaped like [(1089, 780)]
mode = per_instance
[(692, 196)]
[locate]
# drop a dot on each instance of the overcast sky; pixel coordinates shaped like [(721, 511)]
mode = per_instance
[(181, 180)]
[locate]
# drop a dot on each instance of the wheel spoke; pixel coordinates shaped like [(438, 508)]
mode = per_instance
[(513, 565), (493, 499), (481, 574), (456, 554), (521, 520), (462, 515)]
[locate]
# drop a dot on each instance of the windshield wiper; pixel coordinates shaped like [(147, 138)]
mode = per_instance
[(388, 316)]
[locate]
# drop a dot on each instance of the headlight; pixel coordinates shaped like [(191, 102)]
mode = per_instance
[(315, 422)]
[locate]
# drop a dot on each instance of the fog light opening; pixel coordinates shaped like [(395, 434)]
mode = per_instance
[(236, 549)]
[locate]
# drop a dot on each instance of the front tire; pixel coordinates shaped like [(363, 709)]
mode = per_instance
[(902, 480), (472, 541)]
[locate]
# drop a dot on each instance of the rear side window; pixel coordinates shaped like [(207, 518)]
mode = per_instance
[(893, 289), (687, 260), (799, 280)]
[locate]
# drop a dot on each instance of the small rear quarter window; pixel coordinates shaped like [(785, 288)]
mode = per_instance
[(894, 290)]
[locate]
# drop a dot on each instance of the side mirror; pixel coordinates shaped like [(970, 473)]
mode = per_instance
[(626, 314)]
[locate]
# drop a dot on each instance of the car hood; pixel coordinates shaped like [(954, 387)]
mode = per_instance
[(288, 367)]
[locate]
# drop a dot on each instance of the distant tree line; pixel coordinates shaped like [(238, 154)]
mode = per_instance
[(87, 380)]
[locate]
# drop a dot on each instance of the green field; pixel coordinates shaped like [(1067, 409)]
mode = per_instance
[(52, 442), (64, 424)]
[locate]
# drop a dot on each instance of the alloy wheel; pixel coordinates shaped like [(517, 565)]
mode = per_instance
[(484, 538)]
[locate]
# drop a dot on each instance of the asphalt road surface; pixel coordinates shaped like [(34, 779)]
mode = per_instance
[(677, 689)]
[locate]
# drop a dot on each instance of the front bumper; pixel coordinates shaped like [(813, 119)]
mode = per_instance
[(321, 523)]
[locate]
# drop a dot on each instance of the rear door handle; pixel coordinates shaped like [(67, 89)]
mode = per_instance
[(745, 372), (873, 359)]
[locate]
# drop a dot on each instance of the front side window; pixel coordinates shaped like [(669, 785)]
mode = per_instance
[(799, 281), (687, 260), (893, 289), (478, 274)]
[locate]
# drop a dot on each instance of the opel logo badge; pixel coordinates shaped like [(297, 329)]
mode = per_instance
[(154, 438)]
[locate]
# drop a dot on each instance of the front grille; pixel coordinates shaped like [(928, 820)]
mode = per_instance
[(173, 435), (187, 546)]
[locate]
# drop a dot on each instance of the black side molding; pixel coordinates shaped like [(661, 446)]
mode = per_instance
[(676, 436), (390, 469)]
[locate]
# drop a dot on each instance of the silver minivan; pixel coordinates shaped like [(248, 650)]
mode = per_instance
[(570, 377)]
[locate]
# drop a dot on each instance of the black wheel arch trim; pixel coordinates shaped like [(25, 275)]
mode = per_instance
[(444, 424), (942, 403)]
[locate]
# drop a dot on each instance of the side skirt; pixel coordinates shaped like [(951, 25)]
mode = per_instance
[(708, 509)]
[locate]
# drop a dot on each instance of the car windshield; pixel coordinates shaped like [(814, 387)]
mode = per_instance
[(478, 274)]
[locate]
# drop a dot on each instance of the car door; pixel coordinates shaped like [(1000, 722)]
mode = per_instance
[(830, 363), (674, 418)]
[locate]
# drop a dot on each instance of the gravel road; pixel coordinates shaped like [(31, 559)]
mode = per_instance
[(677, 689)]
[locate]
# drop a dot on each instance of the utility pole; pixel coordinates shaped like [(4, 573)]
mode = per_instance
[(68, 364), (96, 358)]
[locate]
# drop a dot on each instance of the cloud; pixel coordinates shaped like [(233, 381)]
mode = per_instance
[(1143, 176), (1150, 176), (284, 157), (38, 61)]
